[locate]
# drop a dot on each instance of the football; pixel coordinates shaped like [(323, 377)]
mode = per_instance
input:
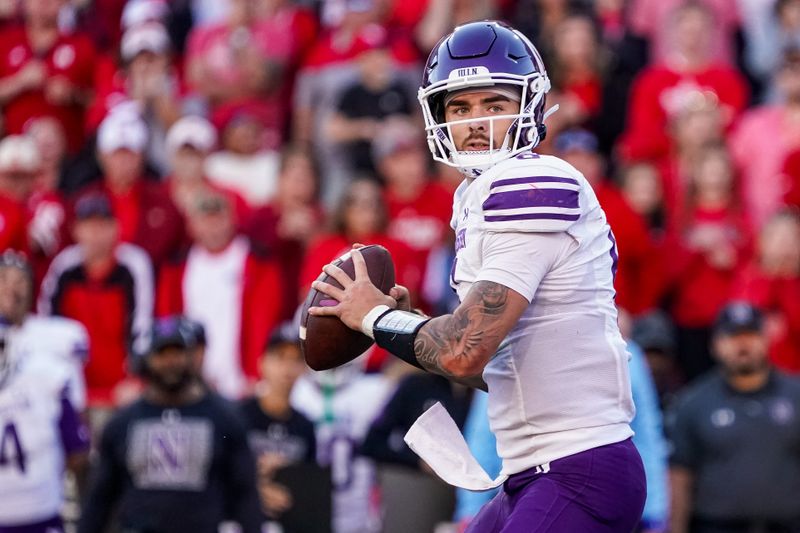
[(325, 340)]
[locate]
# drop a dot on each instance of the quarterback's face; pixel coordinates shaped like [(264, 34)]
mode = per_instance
[(475, 108)]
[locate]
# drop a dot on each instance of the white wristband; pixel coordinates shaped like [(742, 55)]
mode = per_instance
[(369, 320)]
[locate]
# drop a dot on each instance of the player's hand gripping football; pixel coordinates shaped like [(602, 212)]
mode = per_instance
[(357, 297)]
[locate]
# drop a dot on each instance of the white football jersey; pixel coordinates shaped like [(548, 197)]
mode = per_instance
[(31, 442), (342, 415), (559, 382), (41, 339)]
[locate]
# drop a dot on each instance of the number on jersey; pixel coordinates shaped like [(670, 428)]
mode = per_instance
[(11, 452)]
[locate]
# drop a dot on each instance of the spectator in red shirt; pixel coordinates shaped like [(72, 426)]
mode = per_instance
[(772, 282), (361, 217), (19, 163), (419, 207), (663, 88), (146, 215), (759, 157), (44, 72), (287, 224), (639, 279), (646, 19), (34, 188), (233, 291), (108, 287), (248, 160), (243, 58), (707, 247), (694, 127)]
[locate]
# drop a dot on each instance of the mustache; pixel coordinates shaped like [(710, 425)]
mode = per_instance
[(477, 138)]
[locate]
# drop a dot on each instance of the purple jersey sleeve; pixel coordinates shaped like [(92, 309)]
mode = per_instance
[(73, 431)]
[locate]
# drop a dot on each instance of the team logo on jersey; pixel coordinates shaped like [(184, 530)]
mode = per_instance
[(17, 56), (781, 411), (722, 418), (64, 56), (170, 455)]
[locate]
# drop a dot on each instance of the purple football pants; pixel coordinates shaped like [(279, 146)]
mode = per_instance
[(601, 490), (53, 525)]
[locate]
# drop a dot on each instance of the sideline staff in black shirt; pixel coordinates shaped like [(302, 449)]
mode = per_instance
[(735, 435), (177, 460)]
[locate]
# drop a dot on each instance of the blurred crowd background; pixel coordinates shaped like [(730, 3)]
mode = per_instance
[(206, 158)]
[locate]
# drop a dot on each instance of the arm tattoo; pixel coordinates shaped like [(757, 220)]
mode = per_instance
[(461, 340)]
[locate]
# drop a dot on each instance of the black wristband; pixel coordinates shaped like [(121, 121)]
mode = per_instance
[(395, 331)]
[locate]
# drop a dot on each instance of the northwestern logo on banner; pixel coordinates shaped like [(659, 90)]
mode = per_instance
[(468, 71)]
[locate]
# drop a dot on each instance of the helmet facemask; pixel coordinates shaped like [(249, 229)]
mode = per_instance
[(524, 133)]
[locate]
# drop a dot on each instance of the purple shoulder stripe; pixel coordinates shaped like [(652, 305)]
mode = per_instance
[(533, 197), (531, 216), (533, 179)]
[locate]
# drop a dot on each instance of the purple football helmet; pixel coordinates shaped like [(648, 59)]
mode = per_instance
[(481, 56)]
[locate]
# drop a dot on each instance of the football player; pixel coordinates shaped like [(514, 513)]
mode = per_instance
[(41, 431), (335, 400), (537, 324)]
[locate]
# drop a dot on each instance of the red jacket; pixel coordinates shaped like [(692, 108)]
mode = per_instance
[(639, 279), (261, 304), (71, 58), (699, 288), (659, 89), (779, 298)]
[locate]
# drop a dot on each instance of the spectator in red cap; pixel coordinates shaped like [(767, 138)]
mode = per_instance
[(287, 224), (708, 244), (772, 282), (640, 278), (247, 162), (44, 71), (419, 207), (760, 158), (19, 163), (661, 89), (229, 288), (105, 285), (146, 215)]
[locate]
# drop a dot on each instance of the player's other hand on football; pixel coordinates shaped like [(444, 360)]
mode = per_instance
[(402, 297), (357, 297)]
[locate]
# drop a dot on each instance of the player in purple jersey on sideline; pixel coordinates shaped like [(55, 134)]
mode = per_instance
[(537, 325), (41, 433)]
